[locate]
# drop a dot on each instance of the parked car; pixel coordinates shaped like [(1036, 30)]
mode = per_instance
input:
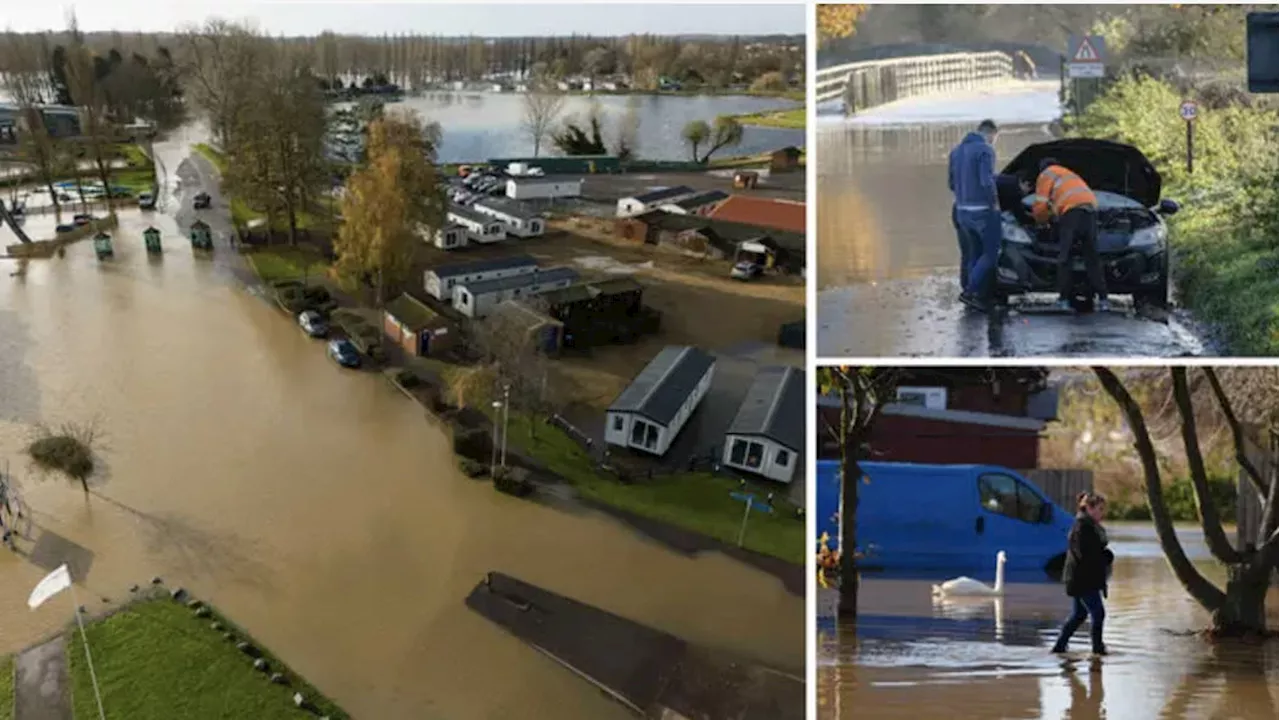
[(313, 323), (344, 353), (82, 219), (1132, 237), (146, 201), (202, 201), (947, 518), (746, 270)]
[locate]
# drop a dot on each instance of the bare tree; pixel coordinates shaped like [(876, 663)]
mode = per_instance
[(87, 93), (510, 340), (542, 107), (22, 82), (1240, 608)]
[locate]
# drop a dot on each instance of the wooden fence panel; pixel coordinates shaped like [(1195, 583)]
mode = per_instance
[(1062, 486)]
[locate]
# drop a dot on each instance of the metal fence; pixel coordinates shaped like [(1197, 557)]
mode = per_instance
[(1061, 486), (1249, 507), (869, 83)]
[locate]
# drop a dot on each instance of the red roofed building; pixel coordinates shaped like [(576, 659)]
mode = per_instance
[(785, 215)]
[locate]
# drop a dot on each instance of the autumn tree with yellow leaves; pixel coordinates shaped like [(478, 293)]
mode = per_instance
[(838, 21), (390, 203)]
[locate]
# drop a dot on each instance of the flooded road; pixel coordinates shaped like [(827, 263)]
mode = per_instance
[(988, 658), (888, 260), (315, 506)]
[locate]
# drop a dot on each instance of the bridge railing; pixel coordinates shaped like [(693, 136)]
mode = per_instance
[(869, 83)]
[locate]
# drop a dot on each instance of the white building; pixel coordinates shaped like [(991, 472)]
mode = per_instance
[(701, 204), (543, 188), (767, 437), (515, 219), (439, 281), (478, 299), (649, 414), (652, 200), (449, 237), (479, 227)]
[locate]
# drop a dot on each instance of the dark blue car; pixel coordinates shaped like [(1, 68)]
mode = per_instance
[(344, 353)]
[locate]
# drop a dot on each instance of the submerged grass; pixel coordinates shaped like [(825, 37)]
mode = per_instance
[(156, 660)]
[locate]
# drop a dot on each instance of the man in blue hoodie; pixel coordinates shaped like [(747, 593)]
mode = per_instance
[(971, 177)]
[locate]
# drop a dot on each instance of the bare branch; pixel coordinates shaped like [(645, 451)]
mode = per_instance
[(1210, 521), (1237, 433)]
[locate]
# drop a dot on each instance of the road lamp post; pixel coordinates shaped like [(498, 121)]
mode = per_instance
[(506, 417), (493, 456)]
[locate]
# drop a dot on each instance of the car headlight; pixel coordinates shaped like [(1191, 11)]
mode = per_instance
[(1015, 233), (1153, 236)]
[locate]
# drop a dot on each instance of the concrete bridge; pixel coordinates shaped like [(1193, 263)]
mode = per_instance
[(869, 83)]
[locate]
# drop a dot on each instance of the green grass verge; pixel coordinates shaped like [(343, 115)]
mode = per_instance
[(792, 119), (286, 263), (694, 501), (156, 660), (218, 159), (6, 688), (746, 161)]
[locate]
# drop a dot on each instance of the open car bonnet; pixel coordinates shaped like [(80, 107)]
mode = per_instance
[(1102, 164)]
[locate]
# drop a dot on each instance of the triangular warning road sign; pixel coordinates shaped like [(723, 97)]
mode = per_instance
[(1085, 52)]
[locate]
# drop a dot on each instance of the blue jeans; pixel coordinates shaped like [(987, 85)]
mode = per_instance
[(969, 249), (1089, 605), (982, 227)]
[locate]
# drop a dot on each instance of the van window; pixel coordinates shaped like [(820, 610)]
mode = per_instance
[(1006, 495)]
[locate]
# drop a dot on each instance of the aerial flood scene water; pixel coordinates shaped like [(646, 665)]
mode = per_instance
[(220, 450)]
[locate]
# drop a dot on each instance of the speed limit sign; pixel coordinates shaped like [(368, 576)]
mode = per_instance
[(1187, 110)]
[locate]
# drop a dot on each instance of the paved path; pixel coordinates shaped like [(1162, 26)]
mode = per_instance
[(41, 687)]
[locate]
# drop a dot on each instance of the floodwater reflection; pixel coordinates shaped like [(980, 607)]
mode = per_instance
[(913, 657)]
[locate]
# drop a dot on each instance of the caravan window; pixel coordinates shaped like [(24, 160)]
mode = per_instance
[(784, 458), (617, 423), (738, 453)]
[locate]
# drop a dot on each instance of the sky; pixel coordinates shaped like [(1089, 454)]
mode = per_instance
[(435, 18)]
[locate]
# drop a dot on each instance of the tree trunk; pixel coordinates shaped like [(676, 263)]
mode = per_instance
[(1210, 521), (9, 220), (1244, 607), (850, 475)]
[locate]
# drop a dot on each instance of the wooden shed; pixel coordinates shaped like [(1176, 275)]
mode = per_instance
[(151, 237), (785, 159), (201, 235)]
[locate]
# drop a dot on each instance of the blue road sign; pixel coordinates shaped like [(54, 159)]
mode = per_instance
[(752, 501)]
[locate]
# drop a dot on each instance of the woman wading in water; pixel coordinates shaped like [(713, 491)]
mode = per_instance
[(1085, 572)]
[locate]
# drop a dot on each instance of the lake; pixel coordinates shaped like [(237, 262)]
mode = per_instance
[(479, 126)]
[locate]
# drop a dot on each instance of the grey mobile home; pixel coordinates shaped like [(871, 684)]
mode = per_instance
[(649, 414)]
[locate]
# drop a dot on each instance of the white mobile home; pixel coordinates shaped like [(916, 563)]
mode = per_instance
[(652, 200), (768, 434), (440, 281), (479, 228), (449, 237), (543, 188), (700, 204), (648, 415), (478, 299), (516, 220)]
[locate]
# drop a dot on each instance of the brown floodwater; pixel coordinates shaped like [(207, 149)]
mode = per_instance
[(912, 657), (316, 506)]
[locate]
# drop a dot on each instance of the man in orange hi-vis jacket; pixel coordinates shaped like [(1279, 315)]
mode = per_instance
[(1063, 196)]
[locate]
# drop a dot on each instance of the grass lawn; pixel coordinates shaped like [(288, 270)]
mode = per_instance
[(6, 688), (214, 156), (287, 263), (157, 660), (746, 161), (794, 118), (695, 501)]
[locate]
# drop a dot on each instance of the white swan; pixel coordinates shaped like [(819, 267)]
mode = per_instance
[(969, 586)]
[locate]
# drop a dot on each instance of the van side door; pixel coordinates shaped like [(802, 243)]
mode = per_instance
[(1010, 517)]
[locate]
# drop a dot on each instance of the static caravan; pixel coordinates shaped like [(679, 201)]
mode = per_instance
[(543, 188), (440, 280), (652, 200), (478, 299), (479, 228), (767, 435), (449, 237), (700, 204), (648, 415), (516, 220)]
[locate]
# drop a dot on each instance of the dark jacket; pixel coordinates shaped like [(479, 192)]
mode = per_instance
[(1010, 194), (1088, 560), (970, 170)]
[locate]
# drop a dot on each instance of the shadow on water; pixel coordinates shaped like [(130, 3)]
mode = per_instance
[(888, 261), (911, 655)]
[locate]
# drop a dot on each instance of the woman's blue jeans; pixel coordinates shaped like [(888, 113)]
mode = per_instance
[(1089, 605)]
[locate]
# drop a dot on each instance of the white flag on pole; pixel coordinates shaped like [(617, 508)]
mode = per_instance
[(52, 584)]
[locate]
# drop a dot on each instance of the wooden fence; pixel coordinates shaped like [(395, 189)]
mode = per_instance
[(869, 83), (1249, 507), (1061, 486)]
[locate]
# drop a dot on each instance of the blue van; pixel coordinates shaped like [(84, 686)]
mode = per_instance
[(935, 517)]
